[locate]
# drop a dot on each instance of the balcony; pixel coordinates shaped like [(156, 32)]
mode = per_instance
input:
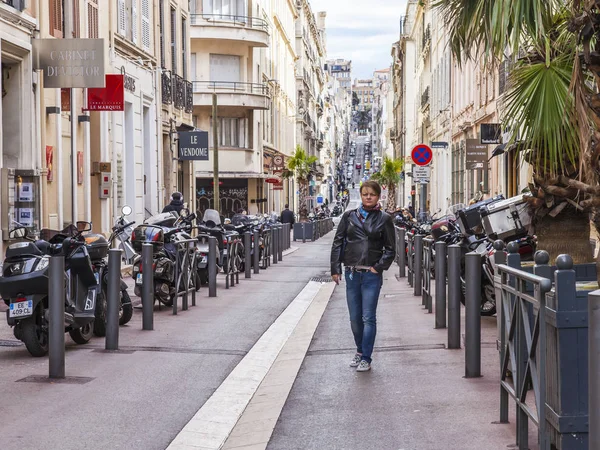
[(166, 87), (251, 30), (235, 95)]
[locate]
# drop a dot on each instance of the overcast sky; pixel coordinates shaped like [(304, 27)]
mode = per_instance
[(361, 30)]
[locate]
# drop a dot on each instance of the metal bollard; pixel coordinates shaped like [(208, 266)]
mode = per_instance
[(56, 326), (212, 266), (473, 315), (594, 368), (401, 252), (303, 233), (454, 294), (113, 299), (418, 268), (248, 251), (288, 238), (275, 243), (281, 232), (177, 277), (147, 287), (256, 246), (440, 284)]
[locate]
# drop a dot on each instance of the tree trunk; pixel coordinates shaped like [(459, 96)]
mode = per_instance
[(302, 208), (569, 233), (391, 200)]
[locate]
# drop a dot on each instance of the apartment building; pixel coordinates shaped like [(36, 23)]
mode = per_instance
[(364, 91), (310, 84), (20, 112), (341, 70), (224, 36)]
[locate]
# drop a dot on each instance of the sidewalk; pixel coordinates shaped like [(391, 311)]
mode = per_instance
[(414, 398)]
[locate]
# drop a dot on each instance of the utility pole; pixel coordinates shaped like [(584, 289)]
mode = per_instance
[(215, 153)]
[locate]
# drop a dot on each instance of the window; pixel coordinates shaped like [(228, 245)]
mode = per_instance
[(76, 20), (232, 132), (183, 49), (173, 40), (225, 8), (92, 18), (133, 20), (56, 18), (225, 68)]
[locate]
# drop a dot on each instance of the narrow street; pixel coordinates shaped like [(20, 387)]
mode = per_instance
[(264, 363)]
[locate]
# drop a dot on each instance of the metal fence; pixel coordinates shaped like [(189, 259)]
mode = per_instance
[(185, 272), (428, 255)]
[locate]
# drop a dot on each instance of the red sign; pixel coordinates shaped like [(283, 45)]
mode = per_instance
[(109, 98), (65, 99), (421, 155), (49, 162)]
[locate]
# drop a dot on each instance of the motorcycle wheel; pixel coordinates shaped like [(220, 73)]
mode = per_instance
[(203, 274), (34, 337), (82, 335), (126, 311), (100, 313), (488, 298)]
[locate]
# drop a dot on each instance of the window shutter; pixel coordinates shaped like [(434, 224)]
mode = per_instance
[(161, 18), (76, 20), (56, 18), (122, 23), (146, 25), (92, 16), (134, 23)]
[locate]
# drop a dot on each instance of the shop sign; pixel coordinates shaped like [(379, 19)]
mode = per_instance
[(130, 84), (109, 98), (477, 154), (193, 145), (70, 63)]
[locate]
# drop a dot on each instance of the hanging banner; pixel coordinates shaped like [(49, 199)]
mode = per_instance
[(109, 98), (70, 63)]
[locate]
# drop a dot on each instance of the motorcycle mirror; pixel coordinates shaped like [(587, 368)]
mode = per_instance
[(184, 212), (192, 217), (18, 233), (126, 210), (83, 226)]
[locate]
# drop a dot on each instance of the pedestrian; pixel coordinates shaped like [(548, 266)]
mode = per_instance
[(287, 216), (365, 244), (176, 204)]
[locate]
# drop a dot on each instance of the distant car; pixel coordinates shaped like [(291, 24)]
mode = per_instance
[(358, 166)]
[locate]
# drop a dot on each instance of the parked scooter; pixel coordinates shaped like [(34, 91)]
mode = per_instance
[(98, 247), (24, 288)]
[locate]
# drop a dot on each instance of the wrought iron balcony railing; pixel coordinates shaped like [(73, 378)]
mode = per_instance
[(231, 86), (221, 19), (189, 96), (166, 87), (425, 98), (178, 92)]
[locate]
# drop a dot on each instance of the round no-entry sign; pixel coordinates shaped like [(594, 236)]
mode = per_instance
[(421, 155)]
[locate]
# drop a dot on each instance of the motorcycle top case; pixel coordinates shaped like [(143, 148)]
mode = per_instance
[(97, 246), (440, 227), (149, 234), (163, 220), (507, 219), (469, 218)]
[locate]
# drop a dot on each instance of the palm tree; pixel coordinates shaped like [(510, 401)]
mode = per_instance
[(552, 102), (300, 166), (389, 175)]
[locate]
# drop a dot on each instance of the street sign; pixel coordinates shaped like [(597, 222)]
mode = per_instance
[(422, 174), (439, 144), (193, 145), (477, 154), (421, 155)]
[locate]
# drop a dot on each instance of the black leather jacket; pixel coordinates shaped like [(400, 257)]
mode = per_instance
[(372, 243)]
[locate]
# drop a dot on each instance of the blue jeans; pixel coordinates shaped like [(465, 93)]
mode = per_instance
[(362, 293)]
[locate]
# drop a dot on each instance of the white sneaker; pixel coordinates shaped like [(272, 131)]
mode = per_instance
[(356, 360), (364, 366)]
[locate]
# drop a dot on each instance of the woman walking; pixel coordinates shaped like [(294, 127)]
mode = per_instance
[(365, 244)]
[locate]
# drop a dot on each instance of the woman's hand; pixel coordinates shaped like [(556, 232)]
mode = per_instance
[(372, 269), (336, 278)]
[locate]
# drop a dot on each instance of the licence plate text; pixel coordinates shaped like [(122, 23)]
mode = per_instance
[(21, 309), (138, 280)]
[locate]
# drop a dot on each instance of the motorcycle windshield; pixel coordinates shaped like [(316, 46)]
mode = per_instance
[(211, 218), (453, 210)]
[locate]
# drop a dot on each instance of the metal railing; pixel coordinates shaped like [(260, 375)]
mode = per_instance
[(265, 258), (232, 263), (185, 272), (189, 96), (231, 86), (178, 91), (225, 19), (523, 350), (166, 87), (411, 257), (428, 244)]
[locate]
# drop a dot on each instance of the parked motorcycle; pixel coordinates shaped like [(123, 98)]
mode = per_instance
[(24, 288), (98, 247)]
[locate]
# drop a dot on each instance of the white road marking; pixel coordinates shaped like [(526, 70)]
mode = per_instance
[(214, 421)]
